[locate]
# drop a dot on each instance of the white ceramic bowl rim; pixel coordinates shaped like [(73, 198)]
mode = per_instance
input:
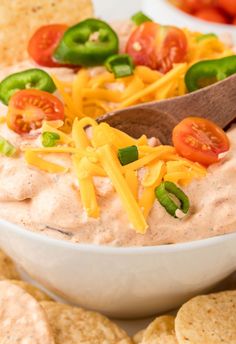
[(186, 246)]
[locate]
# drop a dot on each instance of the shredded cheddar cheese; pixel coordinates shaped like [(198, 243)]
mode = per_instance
[(58, 149), (157, 153), (87, 189), (34, 159), (148, 196), (78, 134), (79, 83), (132, 181), (111, 164), (157, 85), (64, 139), (147, 75), (70, 108), (101, 79), (136, 85), (152, 173), (103, 134), (94, 154), (95, 92)]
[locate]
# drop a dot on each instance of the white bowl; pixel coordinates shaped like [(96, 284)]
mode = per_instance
[(121, 282), (165, 13)]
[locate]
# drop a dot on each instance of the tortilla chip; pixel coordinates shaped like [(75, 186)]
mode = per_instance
[(20, 18), (22, 319), (161, 331), (138, 337), (38, 294), (208, 319), (72, 325), (7, 268)]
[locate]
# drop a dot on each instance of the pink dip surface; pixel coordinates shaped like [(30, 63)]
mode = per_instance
[(50, 203)]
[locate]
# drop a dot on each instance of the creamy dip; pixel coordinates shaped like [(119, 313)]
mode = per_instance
[(51, 204)]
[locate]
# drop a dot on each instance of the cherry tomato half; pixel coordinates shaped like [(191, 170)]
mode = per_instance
[(229, 6), (157, 47), (200, 140), (28, 108), (43, 43), (212, 14)]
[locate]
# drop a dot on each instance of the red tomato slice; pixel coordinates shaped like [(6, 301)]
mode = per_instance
[(212, 14), (43, 43), (157, 47), (228, 6), (200, 140), (28, 108)]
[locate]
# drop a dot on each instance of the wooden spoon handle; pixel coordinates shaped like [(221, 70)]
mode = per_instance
[(216, 102), (142, 119)]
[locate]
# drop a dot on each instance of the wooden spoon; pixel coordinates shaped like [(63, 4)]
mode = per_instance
[(216, 102)]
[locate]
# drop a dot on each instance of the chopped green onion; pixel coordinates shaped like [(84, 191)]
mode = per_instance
[(6, 148), (120, 65), (128, 154), (163, 193), (50, 139), (206, 36), (139, 18)]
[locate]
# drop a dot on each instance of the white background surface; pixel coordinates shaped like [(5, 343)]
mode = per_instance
[(116, 9)]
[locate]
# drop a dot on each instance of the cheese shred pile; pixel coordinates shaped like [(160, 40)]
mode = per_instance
[(94, 92), (95, 155)]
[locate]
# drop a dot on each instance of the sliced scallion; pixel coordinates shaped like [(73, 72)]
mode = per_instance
[(128, 154), (121, 65), (139, 18), (49, 139), (206, 36), (164, 192), (6, 148)]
